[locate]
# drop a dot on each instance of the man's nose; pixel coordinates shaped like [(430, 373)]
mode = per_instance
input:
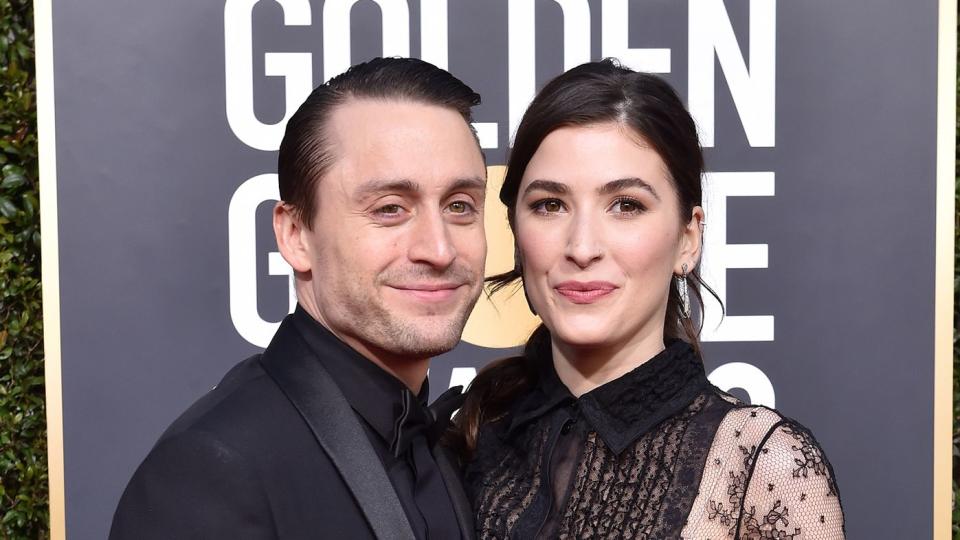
[(583, 246), (431, 242)]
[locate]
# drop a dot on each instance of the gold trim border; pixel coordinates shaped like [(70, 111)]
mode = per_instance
[(943, 303), (50, 271)]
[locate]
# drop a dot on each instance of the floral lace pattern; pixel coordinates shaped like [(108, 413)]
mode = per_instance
[(782, 487), (712, 468)]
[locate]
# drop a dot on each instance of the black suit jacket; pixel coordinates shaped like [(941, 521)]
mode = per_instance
[(274, 451)]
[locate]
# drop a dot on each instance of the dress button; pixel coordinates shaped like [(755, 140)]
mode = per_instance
[(567, 426)]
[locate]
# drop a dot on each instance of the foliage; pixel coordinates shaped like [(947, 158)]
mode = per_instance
[(23, 444)]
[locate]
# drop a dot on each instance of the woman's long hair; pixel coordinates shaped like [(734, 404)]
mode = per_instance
[(592, 93)]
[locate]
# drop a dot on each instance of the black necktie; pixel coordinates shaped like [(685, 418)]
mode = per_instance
[(432, 422), (417, 430)]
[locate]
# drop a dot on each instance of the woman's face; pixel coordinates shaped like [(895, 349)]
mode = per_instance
[(600, 235)]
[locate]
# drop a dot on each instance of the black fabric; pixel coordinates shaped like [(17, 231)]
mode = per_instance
[(242, 462), (397, 423), (625, 408), (657, 453), (322, 405)]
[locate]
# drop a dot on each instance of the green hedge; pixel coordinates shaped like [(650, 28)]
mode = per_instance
[(23, 441)]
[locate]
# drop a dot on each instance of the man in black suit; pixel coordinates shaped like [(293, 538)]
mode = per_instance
[(327, 433)]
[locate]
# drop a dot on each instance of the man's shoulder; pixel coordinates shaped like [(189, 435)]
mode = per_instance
[(239, 462), (244, 402)]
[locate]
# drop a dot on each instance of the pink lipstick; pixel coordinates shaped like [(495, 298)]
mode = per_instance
[(585, 292)]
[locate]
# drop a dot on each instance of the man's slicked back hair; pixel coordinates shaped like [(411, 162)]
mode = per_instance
[(306, 152)]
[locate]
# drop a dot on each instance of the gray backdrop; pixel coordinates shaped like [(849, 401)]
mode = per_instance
[(148, 164)]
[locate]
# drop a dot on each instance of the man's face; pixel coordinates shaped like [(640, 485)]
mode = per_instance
[(397, 246)]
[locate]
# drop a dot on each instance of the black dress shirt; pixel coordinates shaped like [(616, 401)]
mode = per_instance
[(398, 425)]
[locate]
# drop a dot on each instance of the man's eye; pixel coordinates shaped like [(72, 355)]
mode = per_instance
[(389, 209), (547, 206), (460, 207)]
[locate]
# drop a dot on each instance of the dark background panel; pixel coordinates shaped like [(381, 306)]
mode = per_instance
[(147, 166)]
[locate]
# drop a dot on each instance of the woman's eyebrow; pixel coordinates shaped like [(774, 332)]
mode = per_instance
[(550, 186), (624, 183)]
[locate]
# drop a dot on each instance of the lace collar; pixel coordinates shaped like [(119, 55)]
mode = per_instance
[(624, 409)]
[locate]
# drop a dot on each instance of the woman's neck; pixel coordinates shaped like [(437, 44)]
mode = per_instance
[(583, 368)]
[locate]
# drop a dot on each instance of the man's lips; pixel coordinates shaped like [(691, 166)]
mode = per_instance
[(584, 292), (428, 291)]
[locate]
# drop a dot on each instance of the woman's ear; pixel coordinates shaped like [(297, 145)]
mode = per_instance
[(290, 238), (691, 242)]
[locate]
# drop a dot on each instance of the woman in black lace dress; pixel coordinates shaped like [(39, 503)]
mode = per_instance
[(607, 427)]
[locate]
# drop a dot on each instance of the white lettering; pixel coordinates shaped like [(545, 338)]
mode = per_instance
[(521, 61), (753, 92), (616, 20), (718, 256), (433, 32), (461, 376), (295, 68), (242, 234), (395, 23), (750, 378)]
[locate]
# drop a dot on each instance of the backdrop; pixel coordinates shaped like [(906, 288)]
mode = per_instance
[(819, 121)]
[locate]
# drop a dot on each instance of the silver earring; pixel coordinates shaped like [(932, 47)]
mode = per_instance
[(684, 294)]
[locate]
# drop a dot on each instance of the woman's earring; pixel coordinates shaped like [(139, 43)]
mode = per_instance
[(684, 294)]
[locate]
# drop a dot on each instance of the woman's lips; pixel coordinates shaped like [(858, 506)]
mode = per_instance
[(585, 292)]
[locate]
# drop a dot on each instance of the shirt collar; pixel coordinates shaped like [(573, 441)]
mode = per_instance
[(626, 408), (377, 396)]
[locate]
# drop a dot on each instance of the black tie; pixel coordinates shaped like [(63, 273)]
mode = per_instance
[(417, 430)]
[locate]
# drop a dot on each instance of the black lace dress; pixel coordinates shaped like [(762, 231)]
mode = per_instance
[(658, 453)]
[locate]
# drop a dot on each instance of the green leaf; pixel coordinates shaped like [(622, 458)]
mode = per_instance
[(13, 180), (7, 208)]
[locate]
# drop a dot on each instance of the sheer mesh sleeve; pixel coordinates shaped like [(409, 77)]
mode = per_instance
[(791, 492)]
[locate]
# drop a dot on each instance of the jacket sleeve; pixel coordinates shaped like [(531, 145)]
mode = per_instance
[(192, 485), (791, 489)]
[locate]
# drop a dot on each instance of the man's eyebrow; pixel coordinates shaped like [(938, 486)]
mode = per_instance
[(377, 186), (624, 183), (550, 186), (473, 182)]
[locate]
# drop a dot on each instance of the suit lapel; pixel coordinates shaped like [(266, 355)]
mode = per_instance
[(308, 386), (458, 497)]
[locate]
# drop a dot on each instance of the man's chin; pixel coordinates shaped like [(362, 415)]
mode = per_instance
[(431, 337), (415, 347)]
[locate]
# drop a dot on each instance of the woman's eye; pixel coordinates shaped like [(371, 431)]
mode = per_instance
[(547, 206), (627, 206)]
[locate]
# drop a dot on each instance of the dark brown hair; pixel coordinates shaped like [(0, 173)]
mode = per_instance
[(305, 154), (592, 93)]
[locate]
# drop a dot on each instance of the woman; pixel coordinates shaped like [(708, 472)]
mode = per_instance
[(607, 426)]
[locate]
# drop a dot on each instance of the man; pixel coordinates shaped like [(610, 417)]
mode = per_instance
[(326, 434)]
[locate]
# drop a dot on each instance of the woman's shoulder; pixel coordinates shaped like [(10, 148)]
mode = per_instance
[(771, 471), (762, 426), (759, 431)]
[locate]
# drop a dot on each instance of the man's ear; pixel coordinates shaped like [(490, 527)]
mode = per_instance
[(290, 240), (691, 242)]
